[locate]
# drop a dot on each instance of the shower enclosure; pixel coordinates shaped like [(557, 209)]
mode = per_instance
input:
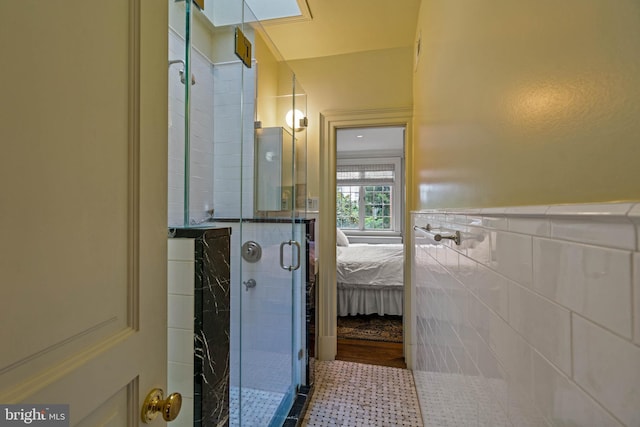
[(236, 161)]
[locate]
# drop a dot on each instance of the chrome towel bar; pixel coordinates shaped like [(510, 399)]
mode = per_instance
[(438, 235)]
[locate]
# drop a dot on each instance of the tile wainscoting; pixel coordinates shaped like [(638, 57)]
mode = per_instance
[(198, 323), (534, 319)]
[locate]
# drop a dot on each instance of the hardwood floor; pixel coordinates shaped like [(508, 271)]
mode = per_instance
[(371, 352)]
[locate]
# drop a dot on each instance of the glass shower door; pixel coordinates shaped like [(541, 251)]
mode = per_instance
[(272, 282), (206, 129), (232, 148)]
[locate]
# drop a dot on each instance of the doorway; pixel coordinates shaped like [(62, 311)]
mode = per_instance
[(350, 122), (369, 249)]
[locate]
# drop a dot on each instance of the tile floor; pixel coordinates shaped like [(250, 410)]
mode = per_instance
[(258, 406), (357, 395), (454, 400), (265, 380)]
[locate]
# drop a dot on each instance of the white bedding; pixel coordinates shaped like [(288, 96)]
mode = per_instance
[(370, 279)]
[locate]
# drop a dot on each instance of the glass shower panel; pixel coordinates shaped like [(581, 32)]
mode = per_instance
[(300, 138), (205, 116), (176, 113), (236, 161), (205, 185), (299, 130), (272, 286)]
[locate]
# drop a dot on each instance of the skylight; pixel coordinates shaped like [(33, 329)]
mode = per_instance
[(229, 12), (273, 9)]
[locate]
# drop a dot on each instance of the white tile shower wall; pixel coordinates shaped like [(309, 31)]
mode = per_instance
[(202, 147), (264, 311), (180, 273), (634, 214), (538, 311), (234, 139), (201, 137), (176, 135)]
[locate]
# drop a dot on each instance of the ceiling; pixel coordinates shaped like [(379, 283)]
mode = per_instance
[(340, 27), (387, 138)]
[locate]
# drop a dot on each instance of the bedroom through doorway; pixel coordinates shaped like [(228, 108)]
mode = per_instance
[(370, 207)]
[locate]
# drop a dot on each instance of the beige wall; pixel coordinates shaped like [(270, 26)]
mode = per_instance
[(275, 83), (267, 85), (529, 102), (367, 80)]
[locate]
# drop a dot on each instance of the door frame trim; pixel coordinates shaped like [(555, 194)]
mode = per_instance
[(330, 122)]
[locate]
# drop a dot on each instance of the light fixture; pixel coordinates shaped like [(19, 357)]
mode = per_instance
[(359, 136), (296, 117)]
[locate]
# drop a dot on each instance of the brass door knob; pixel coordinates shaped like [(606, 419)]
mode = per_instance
[(155, 403)]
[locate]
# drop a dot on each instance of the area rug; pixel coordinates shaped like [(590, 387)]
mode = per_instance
[(371, 327)]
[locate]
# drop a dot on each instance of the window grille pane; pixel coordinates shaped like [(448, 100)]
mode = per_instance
[(377, 206), (347, 207)]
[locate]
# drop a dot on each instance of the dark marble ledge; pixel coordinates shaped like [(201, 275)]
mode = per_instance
[(194, 233), (267, 220)]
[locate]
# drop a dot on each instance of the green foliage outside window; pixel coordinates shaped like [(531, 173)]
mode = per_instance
[(377, 201), (347, 215), (376, 204)]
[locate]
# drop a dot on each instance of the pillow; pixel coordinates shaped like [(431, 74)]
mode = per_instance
[(341, 239)]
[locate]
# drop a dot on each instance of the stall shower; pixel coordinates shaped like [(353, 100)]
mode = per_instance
[(216, 158)]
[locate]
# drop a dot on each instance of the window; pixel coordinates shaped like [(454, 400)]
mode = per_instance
[(368, 196)]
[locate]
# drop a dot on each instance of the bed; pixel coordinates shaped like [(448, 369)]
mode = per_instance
[(370, 279)]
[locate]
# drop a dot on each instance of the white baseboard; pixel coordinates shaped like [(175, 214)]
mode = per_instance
[(327, 347)]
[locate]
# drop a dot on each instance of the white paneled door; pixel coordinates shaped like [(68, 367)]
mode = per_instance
[(83, 131)]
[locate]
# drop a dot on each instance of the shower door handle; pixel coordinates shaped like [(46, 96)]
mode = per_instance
[(289, 267)]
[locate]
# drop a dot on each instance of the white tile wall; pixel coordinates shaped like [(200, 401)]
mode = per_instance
[(529, 225), (636, 294), (186, 414), (181, 270), (180, 345), (202, 159), (607, 367), (221, 138), (181, 313), (539, 309), (562, 402), (233, 176), (175, 179), (491, 288), (590, 280), (634, 216), (201, 136), (601, 232), (264, 312), (180, 277), (261, 316), (181, 250), (543, 323), (512, 256)]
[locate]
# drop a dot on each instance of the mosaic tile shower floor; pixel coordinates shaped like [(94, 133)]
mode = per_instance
[(258, 406), (357, 395)]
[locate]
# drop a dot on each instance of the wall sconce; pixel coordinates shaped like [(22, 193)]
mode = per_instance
[(297, 117)]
